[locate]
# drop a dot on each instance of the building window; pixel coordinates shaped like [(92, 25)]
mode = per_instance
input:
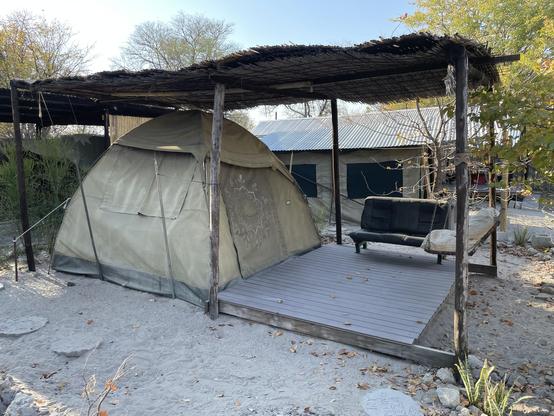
[(305, 176), (373, 179)]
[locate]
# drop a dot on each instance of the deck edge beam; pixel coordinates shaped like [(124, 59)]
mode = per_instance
[(413, 352)]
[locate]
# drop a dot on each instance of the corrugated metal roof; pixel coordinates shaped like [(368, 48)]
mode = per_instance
[(374, 130)]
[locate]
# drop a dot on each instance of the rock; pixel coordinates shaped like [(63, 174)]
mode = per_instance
[(475, 362), (22, 405), (427, 378), (543, 296), (541, 241), (75, 345), (449, 396), (427, 397), (549, 380), (386, 402), (532, 252), (549, 290), (473, 410), (464, 412), (446, 376), (21, 326), (7, 392)]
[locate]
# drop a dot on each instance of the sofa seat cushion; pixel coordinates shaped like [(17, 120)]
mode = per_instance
[(361, 235)]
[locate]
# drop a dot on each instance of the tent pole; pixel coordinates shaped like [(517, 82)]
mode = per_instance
[(98, 265), (336, 171), (23, 210), (164, 226), (492, 189), (462, 178), (217, 127)]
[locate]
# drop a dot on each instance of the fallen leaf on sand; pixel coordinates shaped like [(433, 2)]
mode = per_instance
[(348, 354), (473, 292), (348, 323), (507, 322), (277, 333), (362, 386), (332, 387), (89, 322), (103, 413), (292, 348)]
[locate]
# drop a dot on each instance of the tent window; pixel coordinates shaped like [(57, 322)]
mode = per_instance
[(374, 179), (132, 189), (305, 175), (176, 171)]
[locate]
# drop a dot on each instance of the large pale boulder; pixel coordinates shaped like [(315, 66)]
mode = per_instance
[(23, 405), (388, 402), (76, 345), (21, 326)]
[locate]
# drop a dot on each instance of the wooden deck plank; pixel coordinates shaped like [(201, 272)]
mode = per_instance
[(341, 299), (291, 305), (375, 294)]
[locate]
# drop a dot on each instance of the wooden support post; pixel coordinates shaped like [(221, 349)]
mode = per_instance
[(462, 179), (217, 128), (336, 170), (505, 185), (107, 126), (23, 210), (492, 190), (15, 259)]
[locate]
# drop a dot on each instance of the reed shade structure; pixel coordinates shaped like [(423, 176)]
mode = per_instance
[(416, 65), (48, 109), (395, 69)]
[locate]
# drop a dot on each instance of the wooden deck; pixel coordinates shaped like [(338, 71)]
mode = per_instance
[(377, 299)]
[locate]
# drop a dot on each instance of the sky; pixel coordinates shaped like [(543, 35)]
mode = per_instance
[(107, 24)]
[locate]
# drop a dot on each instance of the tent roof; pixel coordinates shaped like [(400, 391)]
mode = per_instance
[(190, 132), (387, 70), (57, 109)]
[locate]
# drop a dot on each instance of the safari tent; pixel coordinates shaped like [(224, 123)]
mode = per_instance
[(264, 216)]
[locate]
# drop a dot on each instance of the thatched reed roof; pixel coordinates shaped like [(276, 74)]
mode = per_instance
[(55, 109), (378, 71)]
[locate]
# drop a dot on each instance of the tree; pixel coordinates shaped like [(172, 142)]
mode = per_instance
[(522, 104), (185, 40), (317, 108), (32, 47), (429, 129)]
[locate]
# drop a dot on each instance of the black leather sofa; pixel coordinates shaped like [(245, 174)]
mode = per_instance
[(404, 221)]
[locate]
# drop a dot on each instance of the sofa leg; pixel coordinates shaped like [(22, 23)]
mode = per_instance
[(364, 246), (357, 247), (439, 258)]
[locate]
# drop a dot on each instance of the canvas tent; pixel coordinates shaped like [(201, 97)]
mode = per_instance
[(264, 216)]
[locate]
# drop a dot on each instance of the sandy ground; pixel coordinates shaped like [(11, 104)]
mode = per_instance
[(185, 364)]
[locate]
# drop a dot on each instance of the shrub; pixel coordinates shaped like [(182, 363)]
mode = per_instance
[(494, 398), (521, 235), (50, 179)]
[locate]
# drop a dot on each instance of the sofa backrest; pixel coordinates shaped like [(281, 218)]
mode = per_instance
[(404, 215)]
